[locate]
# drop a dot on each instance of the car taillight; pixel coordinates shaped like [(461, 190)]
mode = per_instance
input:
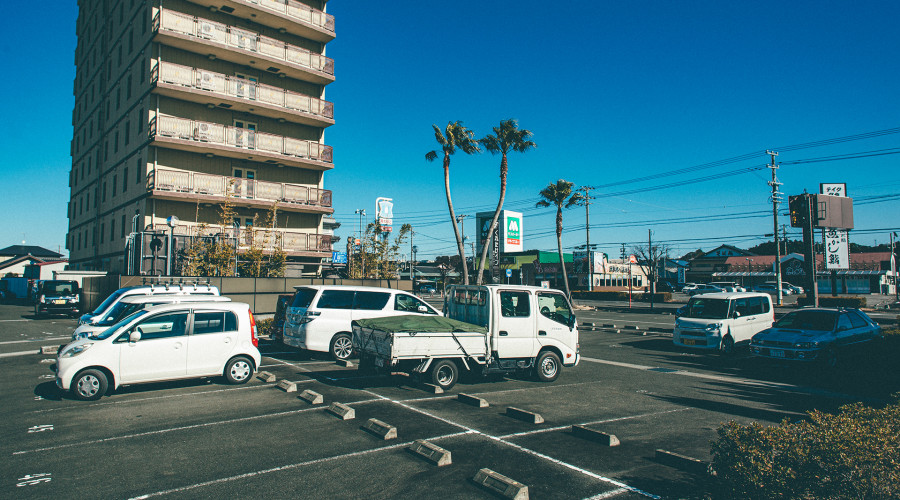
[(253, 330)]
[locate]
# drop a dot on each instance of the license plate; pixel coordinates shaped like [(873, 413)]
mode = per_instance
[(59, 301), (690, 341), (776, 353), (379, 362)]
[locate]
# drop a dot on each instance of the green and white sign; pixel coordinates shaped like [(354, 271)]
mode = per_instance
[(512, 232)]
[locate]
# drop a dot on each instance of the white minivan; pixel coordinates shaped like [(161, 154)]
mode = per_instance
[(153, 289), (167, 342), (129, 305), (318, 318), (718, 321)]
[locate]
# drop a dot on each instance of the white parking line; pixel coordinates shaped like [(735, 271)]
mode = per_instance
[(608, 494), (25, 341), (11, 320), (287, 467), (605, 421), (17, 353)]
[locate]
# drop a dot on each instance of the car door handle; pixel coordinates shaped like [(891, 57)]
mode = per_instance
[(177, 345), (542, 332), (503, 333)]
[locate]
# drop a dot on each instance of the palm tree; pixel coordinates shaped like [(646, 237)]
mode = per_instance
[(454, 137), (561, 195), (507, 137)]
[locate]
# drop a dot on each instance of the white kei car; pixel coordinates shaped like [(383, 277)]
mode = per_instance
[(166, 342)]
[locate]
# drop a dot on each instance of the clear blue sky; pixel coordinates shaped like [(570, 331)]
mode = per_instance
[(613, 91)]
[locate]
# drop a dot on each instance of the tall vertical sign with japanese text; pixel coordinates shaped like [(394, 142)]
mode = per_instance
[(837, 242)]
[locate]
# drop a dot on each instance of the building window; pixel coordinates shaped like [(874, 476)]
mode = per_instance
[(125, 180), (128, 88), (103, 191), (120, 56), (102, 232), (88, 198), (95, 206), (118, 97), (115, 183), (112, 229), (79, 241), (116, 142), (130, 41), (137, 170), (123, 226), (127, 131), (143, 70)]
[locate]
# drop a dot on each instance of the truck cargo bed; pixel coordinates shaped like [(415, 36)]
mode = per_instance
[(413, 337)]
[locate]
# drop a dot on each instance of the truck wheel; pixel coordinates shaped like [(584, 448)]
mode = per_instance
[(341, 347), (547, 366), (444, 374)]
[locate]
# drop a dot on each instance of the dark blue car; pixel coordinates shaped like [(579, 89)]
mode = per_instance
[(820, 335)]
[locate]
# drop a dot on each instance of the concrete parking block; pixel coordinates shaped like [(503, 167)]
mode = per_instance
[(342, 411), (524, 415), (682, 462), (501, 485), (266, 377), (287, 386), (311, 397), (472, 400), (595, 435), (609, 325), (49, 349), (632, 327), (345, 362), (380, 429), (433, 388), (431, 452)]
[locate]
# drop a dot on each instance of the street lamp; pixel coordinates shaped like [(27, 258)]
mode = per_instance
[(749, 273)]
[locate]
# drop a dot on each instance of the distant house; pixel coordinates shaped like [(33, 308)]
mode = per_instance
[(703, 268), (15, 251)]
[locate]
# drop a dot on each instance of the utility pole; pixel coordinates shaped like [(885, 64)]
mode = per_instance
[(894, 268), (776, 198), (652, 284), (587, 229), (362, 253), (412, 259)]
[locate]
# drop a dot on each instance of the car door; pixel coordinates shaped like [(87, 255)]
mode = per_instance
[(741, 319), (213, 337), (367, 305), (161, 352), (555, 320), (407, 304), (515, 324)]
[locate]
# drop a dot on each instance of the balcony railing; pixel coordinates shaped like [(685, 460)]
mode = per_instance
[(181, 181), (218, 83), (240, 38), (289, 240), (298, 11), (236, 137)]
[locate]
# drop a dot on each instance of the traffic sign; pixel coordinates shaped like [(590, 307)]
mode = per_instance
[(509, 273)]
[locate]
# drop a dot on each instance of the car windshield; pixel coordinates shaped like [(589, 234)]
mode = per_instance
[(119, 311), (58, 287), (819, 321), (701, 307), (109, 300), (105, 334), (304, 297)]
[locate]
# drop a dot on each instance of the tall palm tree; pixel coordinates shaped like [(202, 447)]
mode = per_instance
[(455, 137), (507, 137), (562, 196)]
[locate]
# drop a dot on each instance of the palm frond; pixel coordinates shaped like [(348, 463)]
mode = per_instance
[(431, 156)]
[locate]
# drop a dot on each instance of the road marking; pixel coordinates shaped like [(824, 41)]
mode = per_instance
[(40, 428), (19, 353), (287, 467), (302, 369), (11, 320), (171, 429), (608, 494), (605, 421), (33, 479), (734, 380), (34, 340)]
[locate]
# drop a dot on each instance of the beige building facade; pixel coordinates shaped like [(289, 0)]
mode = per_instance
[(182, 105)]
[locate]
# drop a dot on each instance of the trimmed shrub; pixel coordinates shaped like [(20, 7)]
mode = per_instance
[(612, 295), (851, 454), (264, 326), (853, 301)]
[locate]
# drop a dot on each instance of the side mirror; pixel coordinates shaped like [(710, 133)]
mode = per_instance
[(135, 336), (737, 314), (422, 309)]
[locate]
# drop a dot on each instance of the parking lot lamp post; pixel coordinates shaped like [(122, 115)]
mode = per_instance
[(172, 221), (362, 213), (894, 269), (749, 273)]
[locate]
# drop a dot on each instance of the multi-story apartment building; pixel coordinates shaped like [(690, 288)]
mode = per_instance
[(181, 105)]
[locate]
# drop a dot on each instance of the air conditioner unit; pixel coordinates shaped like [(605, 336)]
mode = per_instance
[(203, 131), (207, 30), (207, 80)]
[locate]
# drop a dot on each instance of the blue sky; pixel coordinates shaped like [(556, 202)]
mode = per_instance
[(613, 91)]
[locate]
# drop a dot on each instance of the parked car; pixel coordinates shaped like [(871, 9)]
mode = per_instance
[(131, 304), (167, 342), (728, 286), (719, 321), (664, 286), (57, 297), (687, 287), (276, 331), (820, 335), (319, 316), (796, 290), (154, 289), (771, 289), (705, 289)]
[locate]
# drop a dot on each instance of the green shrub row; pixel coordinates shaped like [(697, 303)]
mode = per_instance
[(852, 454), (854, 301), (263, 326), (639, 297)]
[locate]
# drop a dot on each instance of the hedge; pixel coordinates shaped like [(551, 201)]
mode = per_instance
[(636, 296), (851, 454), (852, 301)]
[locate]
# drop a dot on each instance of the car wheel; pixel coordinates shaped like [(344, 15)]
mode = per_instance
[(727, 346), (547, 366), (89, 385), (444, 374), (238, 370), (341, 347)]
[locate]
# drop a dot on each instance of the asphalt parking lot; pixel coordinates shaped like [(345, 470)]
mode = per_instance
[(206, 439)]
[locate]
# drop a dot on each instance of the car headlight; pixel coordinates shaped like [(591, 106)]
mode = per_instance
[(42, 299), (73, 299), (806, 345), (75, 351), (713, 327)]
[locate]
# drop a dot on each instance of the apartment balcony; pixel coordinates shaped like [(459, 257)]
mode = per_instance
[(241, 46), (182, 185), (293, 242), (215, 89), (235, 142), (293, 17)]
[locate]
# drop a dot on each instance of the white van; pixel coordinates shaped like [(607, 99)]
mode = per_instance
[(318, 318), (718, 321), (165, 289), (130, 304)]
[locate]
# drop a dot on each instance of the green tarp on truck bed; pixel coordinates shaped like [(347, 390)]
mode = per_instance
[(423, 324)]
